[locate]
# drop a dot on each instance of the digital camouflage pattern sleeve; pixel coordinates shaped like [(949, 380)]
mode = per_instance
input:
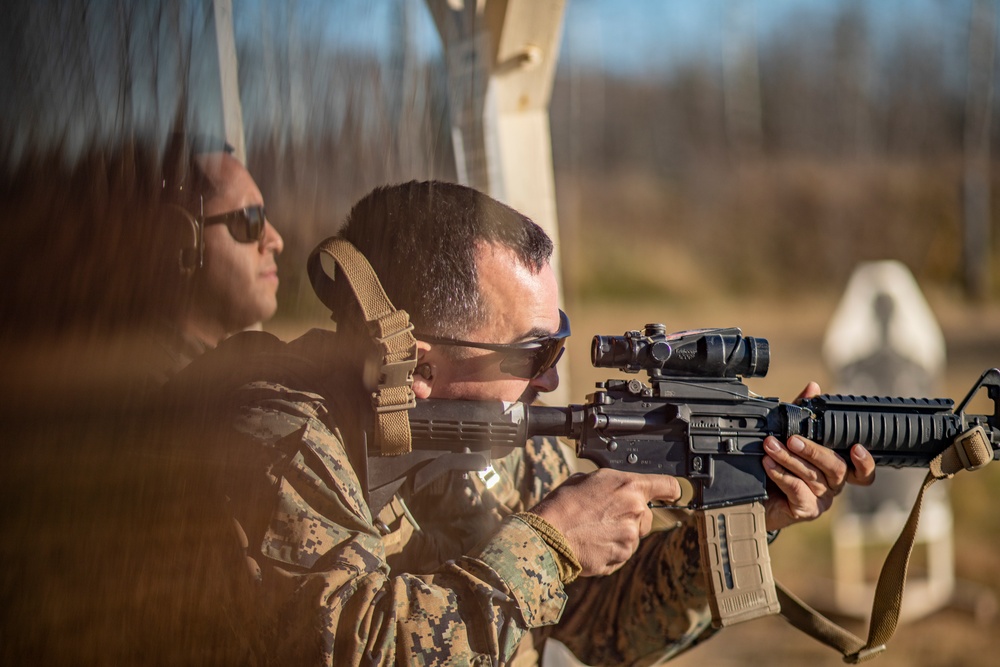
[(652, 609), (325, 592), (327, 595)]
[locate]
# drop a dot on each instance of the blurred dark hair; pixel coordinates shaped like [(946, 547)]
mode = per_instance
[(87, 245), (184, 181), (421, 239)]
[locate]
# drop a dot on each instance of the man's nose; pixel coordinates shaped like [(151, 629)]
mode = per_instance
[(547, 381), (272, 239)]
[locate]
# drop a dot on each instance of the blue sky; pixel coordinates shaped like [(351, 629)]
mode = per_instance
[(636, 36), (630, 37)]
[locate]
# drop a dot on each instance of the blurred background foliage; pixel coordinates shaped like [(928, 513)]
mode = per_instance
[(769, 150)]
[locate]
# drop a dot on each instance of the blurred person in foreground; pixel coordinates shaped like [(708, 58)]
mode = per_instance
[(165, 250), (224, 245), (123, 262), (474, 568)]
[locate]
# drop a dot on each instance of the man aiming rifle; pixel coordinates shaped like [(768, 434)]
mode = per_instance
[(352, 563)]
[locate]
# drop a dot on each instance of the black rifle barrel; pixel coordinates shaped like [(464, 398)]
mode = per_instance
[(477, 425), (898, 432)]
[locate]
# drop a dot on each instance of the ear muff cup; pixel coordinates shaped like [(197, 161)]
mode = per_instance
[(184, 228)]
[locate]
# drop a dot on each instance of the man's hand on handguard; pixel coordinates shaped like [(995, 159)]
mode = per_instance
[(604, 514), (809, 475)]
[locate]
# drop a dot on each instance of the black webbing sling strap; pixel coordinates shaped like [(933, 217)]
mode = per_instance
[(388, 376), (970, 451)]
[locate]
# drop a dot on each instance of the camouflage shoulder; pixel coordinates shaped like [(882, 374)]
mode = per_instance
[(239, 359), (262, 399)]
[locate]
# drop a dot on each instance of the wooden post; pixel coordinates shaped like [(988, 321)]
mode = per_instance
[(232, 110), (501, 58)]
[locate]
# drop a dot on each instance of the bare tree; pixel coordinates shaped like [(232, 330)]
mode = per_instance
[(978, 112)]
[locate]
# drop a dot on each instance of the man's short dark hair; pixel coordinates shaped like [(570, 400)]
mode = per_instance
[(422, 239), (184, 181)]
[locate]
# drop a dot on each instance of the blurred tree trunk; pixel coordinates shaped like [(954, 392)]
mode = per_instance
[(741, 80), (976, 182), (853, 65)]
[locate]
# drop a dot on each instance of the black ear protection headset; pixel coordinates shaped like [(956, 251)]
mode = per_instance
[(178, 164), (190, 235)]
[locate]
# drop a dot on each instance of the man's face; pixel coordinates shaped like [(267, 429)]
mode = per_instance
[(522, 306), (238, 284)]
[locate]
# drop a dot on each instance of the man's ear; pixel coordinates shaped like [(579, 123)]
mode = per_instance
[(423, 376)]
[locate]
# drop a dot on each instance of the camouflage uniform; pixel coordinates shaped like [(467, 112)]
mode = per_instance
[(446, 576)]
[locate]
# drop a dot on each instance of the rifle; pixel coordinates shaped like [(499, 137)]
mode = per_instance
[(696, 419)]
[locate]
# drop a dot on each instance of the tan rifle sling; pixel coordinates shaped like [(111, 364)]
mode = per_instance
[(969, 451), (389, 374)]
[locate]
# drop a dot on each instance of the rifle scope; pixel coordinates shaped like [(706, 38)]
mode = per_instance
[(708, 353)]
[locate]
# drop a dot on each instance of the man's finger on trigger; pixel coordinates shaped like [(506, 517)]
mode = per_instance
[(662, 487)]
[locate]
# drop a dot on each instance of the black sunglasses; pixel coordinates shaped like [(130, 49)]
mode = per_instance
[(246, 225), (527, 360)]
